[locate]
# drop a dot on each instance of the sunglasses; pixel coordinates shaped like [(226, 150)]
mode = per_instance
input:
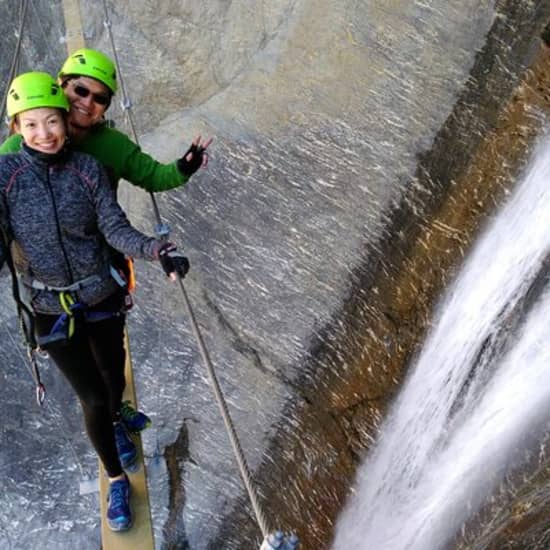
[(100, 99)]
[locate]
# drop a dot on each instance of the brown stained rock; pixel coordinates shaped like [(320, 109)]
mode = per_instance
[(518, 520), (443, 240)]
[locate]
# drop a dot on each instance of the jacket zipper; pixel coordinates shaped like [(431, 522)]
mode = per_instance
[(58, 225)]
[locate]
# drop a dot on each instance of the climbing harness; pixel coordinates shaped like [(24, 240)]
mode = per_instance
[(64, 326), (163, 231), (36, 284), (74, 287)]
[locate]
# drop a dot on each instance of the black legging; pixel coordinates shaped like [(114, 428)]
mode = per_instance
[(93, 361)]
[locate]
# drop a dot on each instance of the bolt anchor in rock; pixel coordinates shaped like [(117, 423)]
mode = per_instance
[(280, 541)]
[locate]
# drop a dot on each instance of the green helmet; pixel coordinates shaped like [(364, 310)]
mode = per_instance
[(86, 62), (34, 90)]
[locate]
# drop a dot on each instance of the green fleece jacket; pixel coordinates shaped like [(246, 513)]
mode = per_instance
[(120, 157)]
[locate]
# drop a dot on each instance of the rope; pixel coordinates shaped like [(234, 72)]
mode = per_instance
[(15, 59), (163, 233)]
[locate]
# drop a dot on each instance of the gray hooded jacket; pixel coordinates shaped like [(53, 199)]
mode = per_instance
[(60, 212)]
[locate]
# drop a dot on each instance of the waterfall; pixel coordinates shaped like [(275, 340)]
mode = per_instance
[(476, 394)]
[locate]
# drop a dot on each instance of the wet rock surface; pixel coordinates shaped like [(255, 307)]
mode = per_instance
[(359, 147)]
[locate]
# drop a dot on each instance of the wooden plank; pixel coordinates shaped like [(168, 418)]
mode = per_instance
[(140, 535), (74, 37)]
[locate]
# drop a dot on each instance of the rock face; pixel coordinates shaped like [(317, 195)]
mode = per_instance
[(342, 130)]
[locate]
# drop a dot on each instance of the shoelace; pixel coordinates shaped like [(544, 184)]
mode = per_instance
[(117, 493), (126, 410)]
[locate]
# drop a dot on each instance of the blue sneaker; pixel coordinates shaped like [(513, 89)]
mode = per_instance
[(127, 452), (135, 421), (119, 516)]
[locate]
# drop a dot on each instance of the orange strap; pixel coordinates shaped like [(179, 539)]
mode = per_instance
[(131, 274)]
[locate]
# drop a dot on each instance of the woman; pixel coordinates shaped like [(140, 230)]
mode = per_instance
[(60, 218)]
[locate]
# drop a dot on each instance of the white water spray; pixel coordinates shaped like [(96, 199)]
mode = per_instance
[(479, 385)]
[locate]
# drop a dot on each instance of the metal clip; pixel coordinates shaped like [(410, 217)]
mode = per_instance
[(280, 541), (162, 230), (126, 103), (40, 388)]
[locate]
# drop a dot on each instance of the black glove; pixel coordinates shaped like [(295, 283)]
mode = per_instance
[(173, 261), (189, 167)]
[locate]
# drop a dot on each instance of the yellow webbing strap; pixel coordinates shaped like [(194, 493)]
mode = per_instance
[(66, 301)]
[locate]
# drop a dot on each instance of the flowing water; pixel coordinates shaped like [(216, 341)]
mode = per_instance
[(476, 397)]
